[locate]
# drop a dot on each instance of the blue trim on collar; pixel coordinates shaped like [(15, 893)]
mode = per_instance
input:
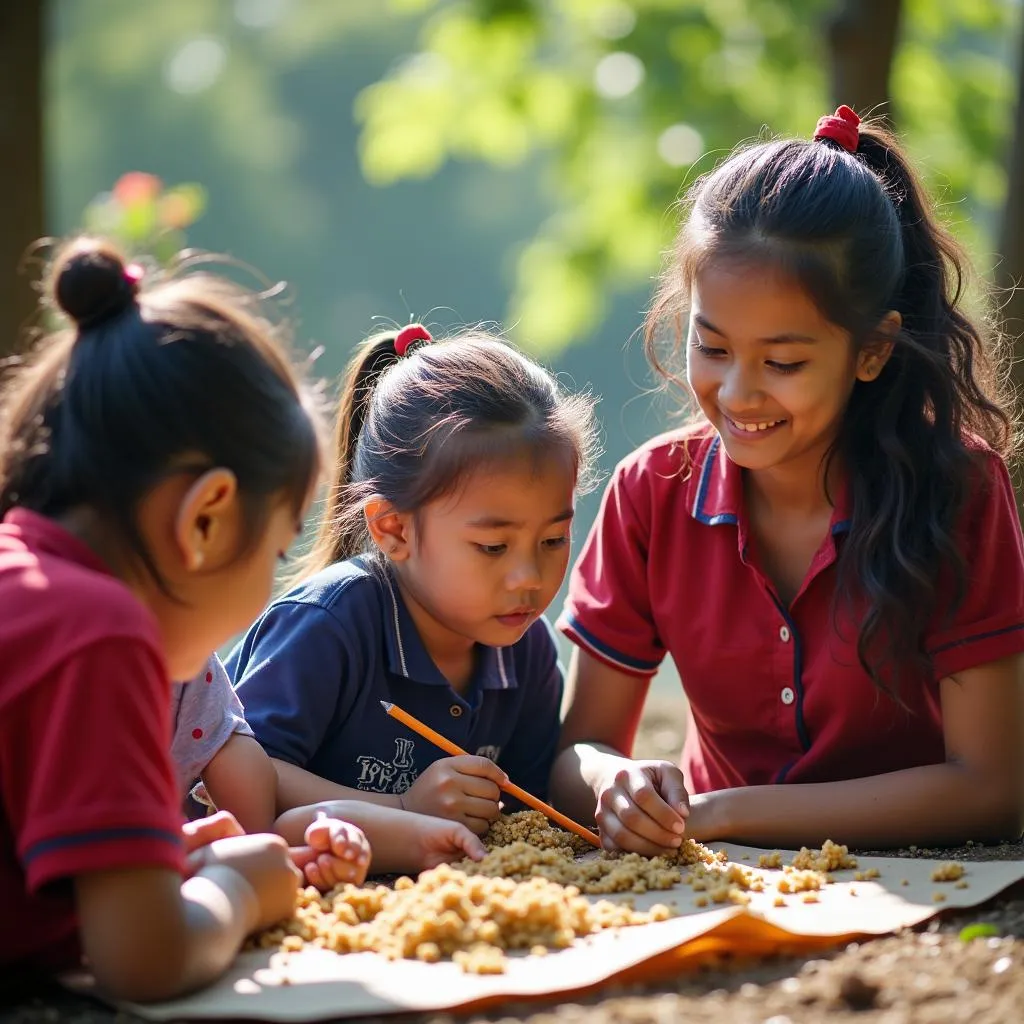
[(407, 657), (699, 514), (843, 526)]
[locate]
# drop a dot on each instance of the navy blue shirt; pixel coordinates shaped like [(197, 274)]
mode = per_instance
[(313, 669)]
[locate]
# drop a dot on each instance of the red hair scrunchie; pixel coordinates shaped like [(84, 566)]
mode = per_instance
[(840, 127), (408, 336)]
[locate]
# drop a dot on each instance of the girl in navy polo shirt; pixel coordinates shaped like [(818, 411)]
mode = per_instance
[(445, 537), (831, 553)]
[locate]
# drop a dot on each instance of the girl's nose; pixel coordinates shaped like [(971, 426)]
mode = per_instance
[(525, 576), (739, 389)]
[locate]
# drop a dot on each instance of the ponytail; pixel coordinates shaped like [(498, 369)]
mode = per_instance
[(846, 218), (341, 532)]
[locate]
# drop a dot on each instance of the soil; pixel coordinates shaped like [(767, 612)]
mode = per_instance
[(930, 975)]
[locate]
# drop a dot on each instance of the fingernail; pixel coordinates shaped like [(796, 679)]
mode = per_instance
[(679, 826), (677, 841)]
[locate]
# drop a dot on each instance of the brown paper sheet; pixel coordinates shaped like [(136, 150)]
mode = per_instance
[(316, 985)]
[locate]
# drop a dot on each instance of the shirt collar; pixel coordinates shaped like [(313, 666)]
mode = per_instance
[(718, 492), (495, 668), (48, 535)]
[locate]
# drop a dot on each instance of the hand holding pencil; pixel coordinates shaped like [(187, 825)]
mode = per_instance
[(507, 786)]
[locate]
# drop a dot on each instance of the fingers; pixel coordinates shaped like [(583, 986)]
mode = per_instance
[(672, 788), (633, 814), (482, 767), (204, 831), (325, 870), (468, 844)]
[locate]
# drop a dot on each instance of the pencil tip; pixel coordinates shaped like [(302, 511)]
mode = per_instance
[(386, 705)]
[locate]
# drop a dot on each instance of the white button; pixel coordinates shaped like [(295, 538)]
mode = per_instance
[(455, 711), (784, 634), (788, 696)]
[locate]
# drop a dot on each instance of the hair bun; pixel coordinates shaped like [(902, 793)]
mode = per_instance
[(91, 282)]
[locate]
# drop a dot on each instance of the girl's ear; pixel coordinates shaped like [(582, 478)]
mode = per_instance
[(390, 530), (875, 352), (207, 520)]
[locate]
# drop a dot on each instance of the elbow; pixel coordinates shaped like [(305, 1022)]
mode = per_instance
[(1002, 813), (143, 979)]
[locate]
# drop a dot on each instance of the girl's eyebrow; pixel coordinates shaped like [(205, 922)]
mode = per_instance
[(496, 522), (789, 337)]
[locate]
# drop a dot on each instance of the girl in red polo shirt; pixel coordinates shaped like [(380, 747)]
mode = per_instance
[(156, 460), (831, 552)]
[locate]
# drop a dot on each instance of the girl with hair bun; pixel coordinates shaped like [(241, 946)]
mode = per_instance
[(156, 460)]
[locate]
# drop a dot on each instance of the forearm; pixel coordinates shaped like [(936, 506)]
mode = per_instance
[(576, 777), (241, 779), (220, 907), (298, 788), (386, 828), (936, 804), (151, 936)]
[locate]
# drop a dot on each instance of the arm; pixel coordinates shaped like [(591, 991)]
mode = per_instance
[(977, 793), (399, 840), (241, 779), (638, 805), (149, 936), (297, 788)]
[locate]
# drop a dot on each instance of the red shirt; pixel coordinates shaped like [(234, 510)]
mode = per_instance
[(776, 693), (86, 782)]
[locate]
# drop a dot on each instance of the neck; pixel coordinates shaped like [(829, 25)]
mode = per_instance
[(799, 488), (451, 652)]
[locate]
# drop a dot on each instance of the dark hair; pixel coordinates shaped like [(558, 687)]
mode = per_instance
[(856, 231), (180, 376), (411, 427)]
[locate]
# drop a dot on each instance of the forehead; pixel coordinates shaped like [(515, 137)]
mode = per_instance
[(523, 487), (756, 299)]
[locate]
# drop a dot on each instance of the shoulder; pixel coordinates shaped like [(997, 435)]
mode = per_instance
[(342, 589), (70, 604), (670, 457)]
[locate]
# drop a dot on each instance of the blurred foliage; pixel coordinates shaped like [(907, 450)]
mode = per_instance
[(635, 99), (144, 216)]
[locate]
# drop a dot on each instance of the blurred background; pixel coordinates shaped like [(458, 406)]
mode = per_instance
[(457, 161)]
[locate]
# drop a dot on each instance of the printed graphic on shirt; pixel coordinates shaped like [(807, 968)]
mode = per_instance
[(395, 776)]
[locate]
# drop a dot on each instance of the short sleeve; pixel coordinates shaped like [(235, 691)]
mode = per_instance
[(207, 713), (989, 623), (608, 610), (530, 753), (288, 673), (95, 788)]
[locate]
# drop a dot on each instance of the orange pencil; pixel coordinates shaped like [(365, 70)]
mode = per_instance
[(510, 787)]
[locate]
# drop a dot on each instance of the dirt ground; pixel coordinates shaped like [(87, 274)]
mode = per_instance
[(924, 976)]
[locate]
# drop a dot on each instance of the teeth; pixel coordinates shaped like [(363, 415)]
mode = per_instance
[(752, 428)]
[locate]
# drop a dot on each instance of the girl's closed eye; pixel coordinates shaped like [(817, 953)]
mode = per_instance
[(706, 350), (554, 543), (786, 367), (491, 549)]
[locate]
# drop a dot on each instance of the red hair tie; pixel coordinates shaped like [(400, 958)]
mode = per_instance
[(407, 337), (840, 127)]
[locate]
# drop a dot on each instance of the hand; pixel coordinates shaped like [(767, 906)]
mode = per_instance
[(202, 832), (642, 807), (262, 861), (335, 852), (463, 789), (436, 841)]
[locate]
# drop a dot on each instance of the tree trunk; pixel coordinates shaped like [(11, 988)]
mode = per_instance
[(21, 164), (1010, 269), (862, 39)]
